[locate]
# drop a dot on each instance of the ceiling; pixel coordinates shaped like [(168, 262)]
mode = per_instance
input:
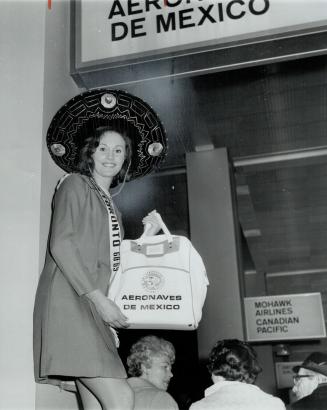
[(273, 120)]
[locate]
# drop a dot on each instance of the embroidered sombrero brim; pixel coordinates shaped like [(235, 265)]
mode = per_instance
[(81, 115)]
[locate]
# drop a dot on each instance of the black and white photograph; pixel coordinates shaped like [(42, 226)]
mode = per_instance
[(164, 204)]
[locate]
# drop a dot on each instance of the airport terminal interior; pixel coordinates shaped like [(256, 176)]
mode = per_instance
[(244, 178)]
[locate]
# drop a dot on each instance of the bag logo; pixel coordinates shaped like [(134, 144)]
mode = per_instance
[(153, 281)]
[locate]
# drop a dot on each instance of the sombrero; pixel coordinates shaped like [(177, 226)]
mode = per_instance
[(80, 116)]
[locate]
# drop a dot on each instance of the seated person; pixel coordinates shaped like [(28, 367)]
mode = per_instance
[(149, 363), (310, 383), (234, 368)]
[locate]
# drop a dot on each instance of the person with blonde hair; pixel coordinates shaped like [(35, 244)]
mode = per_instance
[(149, 364)]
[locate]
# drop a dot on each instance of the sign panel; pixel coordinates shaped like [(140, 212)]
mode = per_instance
[(284, 374), (113, 30), (284, 317)]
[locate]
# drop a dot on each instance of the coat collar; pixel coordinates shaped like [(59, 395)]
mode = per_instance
[(219, 385)]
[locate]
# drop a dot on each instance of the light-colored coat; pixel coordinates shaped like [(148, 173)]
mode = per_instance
[(149, 397), (70, 338), (233, 395)]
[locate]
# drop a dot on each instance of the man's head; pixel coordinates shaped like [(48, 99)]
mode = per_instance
[(311, 373)]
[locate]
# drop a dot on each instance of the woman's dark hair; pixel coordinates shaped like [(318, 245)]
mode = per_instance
[(86, 163), (143, 351), (234, 360)]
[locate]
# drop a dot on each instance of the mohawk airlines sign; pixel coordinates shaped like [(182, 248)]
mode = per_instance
[(114, 30), (284, 317)]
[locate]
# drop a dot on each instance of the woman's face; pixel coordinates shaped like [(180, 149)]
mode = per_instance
[(109, 156), (159, 373)]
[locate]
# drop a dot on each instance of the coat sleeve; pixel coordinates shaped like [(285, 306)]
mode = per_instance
[(69, 201)]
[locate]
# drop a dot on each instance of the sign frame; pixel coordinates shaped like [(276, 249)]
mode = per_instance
[(280, 379), (209, 57), (189, 48), (247, 323)]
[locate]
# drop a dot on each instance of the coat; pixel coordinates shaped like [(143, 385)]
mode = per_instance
[(234, 395), (70, 339), (149, 397), (317, 400)]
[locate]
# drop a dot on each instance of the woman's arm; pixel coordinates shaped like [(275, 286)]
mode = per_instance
[(67, 215), (69, 201), (107, 309)]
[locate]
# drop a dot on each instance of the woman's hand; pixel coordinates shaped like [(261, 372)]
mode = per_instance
[(151, 223), (108, 310)]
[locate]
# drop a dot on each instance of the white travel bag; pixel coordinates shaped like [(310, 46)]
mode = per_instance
[(162, 282)]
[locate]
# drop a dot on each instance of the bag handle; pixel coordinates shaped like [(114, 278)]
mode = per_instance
[(140, 241)]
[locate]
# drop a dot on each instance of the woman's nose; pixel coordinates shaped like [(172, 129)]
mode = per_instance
[(110, 154)]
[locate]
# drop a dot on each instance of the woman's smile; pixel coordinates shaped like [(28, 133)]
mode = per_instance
[(108, 158)]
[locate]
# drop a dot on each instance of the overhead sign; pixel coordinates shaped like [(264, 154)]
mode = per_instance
[(113, 30), (284, 374), (284, 317)]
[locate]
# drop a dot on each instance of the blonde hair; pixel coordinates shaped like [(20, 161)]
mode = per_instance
[(145, 349)]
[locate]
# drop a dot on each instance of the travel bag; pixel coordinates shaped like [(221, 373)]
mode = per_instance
[(162, 282)]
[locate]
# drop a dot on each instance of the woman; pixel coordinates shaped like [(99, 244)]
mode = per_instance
[(234, 368), (149, 364), (74, 321)]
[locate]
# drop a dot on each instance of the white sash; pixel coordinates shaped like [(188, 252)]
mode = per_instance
[(114, 240), (114, 229)]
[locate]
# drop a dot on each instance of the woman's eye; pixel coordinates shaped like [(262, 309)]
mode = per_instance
[(118, 151), (102, 149)]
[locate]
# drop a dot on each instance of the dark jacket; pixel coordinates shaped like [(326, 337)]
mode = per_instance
[(317, 400), (149, 397)]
